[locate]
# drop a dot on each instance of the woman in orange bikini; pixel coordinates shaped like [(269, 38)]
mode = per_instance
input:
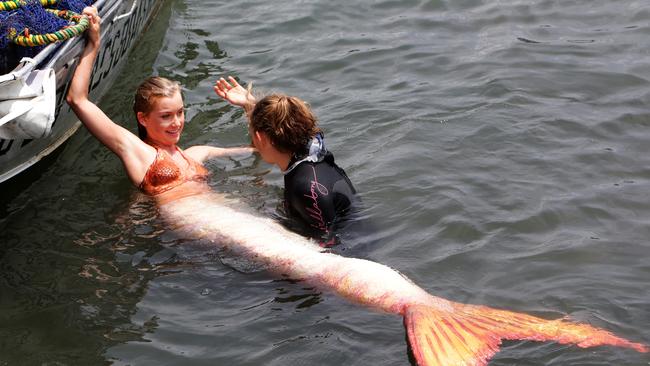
[(153, 161)]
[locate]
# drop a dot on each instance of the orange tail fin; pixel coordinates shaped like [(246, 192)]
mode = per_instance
[(471, 335)]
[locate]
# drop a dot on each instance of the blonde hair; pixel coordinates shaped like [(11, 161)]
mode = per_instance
[(287, 121), (149, 91)]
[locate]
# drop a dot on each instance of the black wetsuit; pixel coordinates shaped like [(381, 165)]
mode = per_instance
[(321, 196)]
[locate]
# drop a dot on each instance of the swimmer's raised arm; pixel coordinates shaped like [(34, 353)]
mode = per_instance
[(134, 153), (235, 94)]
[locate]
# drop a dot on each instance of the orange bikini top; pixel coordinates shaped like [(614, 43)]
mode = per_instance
[(164, 174)]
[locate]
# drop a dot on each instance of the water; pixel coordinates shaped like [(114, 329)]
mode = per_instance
[(499, 146)]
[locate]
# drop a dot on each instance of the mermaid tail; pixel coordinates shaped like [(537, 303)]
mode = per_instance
[(440, 332), (471, 335)]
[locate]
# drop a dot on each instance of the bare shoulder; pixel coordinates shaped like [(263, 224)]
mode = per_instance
[(137, 157)]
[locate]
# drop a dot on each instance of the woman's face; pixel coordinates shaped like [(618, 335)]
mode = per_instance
[(164, 123)]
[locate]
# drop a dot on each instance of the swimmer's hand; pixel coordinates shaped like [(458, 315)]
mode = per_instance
[(92, 33), (235, 94)]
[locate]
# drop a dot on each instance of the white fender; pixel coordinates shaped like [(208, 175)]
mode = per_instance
[(27, 105)]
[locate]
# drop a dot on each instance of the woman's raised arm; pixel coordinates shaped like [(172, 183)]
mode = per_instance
[(134, 153)]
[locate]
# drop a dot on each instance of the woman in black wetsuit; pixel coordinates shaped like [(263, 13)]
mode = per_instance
[(285, 132)]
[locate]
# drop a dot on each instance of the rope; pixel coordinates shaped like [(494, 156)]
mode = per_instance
[(80, 25), (15, 4)]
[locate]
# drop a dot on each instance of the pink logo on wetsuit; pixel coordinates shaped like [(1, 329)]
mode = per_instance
[(316, 189)]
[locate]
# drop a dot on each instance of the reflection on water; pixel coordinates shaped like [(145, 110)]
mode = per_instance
[(62, 297), (500, 149)]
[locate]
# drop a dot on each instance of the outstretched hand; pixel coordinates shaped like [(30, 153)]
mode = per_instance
[(235, 94)]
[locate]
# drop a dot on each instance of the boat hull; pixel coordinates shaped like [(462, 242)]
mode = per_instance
[(122, 24)]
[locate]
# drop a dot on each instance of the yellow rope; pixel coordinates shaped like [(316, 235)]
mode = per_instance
[(15, 4), (32, 40)]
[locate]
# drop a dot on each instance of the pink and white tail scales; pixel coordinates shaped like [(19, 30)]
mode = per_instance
[(439, 332)]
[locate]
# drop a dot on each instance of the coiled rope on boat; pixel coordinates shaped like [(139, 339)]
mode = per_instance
[(81, 24), (15, 4), (76, 25)]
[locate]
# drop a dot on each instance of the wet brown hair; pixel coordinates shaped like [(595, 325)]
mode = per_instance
[(287, 121), (148, 93)]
